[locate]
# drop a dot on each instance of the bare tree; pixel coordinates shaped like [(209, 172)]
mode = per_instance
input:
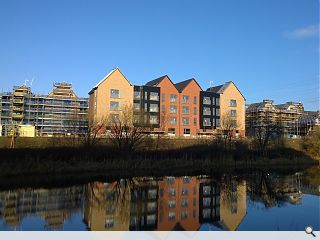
[(95, 127), (164, 119), (263, 133), (123, 132), (229, 124)]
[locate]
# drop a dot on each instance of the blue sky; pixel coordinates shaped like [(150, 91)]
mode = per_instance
[(270, 49)]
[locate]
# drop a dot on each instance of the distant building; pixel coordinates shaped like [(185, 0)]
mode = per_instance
[(266, 113), (308, 122), (61, 112)]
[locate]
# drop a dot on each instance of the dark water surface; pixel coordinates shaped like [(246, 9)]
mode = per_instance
[(257, 201)]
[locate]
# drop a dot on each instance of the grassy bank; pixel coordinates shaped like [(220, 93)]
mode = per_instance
[(202, 158)]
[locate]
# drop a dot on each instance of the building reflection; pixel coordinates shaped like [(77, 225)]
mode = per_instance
[(179, 203), (53, 205), (167, 203), (146, 203)]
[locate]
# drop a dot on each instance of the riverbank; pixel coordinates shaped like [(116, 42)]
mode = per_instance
[(204, 158)]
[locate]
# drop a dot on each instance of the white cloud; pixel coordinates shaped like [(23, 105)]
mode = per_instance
[(306, 32)]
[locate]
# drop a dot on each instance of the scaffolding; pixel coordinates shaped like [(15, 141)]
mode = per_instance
[(61, 112), (284, 116)]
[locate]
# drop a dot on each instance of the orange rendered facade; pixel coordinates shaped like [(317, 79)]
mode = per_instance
[(189, 94), (169, 105)]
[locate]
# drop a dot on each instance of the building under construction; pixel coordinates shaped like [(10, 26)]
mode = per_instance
[(61, 112), (283, 117)]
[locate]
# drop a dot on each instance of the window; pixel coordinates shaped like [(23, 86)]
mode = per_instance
[(206, 122), (186, 180), (171, 203), (185, 110), (195, 122), (152, 193), (233, 123), (172, 192), (185, 98), (184, 191), (146, 95), (185, 121), (217, 111), (151, 219), (154, 107), (206, 213), (206, 190), (154, 96), (163, 108), (186, 131), (173, 98), (206, 111), (195, 111), (114, 93), (154, 120), (146, 107), (170, 180), (184, 202), (163, 97), (173, 120), (171, 131), (172, 215), (137, 95), (136, 107), (194, 100), (207, 100), (114, 106), (136, 118), (217, 101), (184, 215), (233, 113), (173, 109), (151, 206), (206, 201), (217, 122), (109, 223), (233, 103)]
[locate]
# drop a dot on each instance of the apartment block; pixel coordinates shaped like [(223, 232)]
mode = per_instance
[(189, 93), (285, 116), (169, 105), (232, 108), (180, 110), (61, 112), (110, 96)]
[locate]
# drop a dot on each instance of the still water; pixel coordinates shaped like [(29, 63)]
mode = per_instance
[(258, 201)]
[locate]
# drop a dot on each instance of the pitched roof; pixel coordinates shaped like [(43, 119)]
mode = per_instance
[(182, 85), (156, 81), (215, 89), (221, 88), (105, 77)]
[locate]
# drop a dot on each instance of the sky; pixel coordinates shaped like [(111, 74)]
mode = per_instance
[(268, 48)]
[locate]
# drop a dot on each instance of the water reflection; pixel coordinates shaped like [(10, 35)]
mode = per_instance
[(54, 206), (148, 203)]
